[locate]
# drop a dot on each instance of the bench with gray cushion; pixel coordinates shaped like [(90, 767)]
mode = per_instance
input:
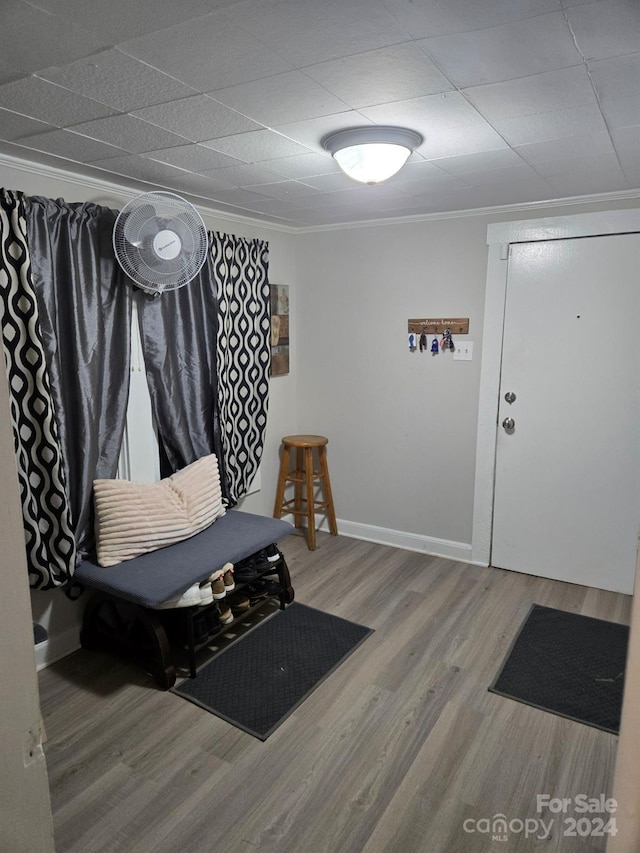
[(121, 615)]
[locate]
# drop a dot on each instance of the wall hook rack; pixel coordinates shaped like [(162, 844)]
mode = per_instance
[(438, 325)]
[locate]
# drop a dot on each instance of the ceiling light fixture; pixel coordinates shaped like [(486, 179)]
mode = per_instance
[(371, 154)]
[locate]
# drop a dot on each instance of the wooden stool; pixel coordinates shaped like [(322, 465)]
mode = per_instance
[(303, 504)]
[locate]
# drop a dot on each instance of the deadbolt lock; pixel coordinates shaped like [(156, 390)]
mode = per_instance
[(510, 397)]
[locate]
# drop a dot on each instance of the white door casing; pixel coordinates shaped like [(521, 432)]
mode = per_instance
[(499, 237)]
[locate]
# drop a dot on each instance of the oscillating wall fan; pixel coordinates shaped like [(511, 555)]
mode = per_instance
[(160, 241)]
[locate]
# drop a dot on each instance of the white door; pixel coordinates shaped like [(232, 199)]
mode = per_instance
[(567, 479)]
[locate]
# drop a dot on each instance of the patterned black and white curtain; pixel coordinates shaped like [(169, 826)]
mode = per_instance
[(50, 543), (240, 270)]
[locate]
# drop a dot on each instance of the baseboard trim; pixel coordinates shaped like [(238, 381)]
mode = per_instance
[(57, 647), (431, 545)]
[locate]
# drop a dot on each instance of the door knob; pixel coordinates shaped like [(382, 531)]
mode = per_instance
[(508, 423), (510, 397)]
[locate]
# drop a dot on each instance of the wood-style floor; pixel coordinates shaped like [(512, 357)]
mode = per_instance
[(391, 754)]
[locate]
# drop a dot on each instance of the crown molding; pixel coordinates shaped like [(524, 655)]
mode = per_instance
[(131, 189), (134, 187)]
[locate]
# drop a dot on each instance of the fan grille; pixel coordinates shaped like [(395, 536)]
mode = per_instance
[(160, 241)]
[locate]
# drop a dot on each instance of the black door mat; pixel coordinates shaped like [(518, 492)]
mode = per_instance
[(256, 682), (568, 664)]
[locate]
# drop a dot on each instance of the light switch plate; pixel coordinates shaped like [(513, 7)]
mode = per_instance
[(463, 351)]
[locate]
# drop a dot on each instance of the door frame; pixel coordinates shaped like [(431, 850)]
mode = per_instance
[(499, 237)]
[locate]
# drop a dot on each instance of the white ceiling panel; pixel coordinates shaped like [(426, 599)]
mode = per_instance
[(567, 148), (205, 53), (394, 73), (621, 112), (616, 78), (227, 101), (197, 118), (540, 93), (130, 133), (508, 51), (246, 175), (307, 32), (422, 20), (302, 166), (605, 29), (552, 125), (281, 99), (118, 80), (117, 20), (14, 126), (53, 104), (133, 166), (65, 143), (31, 38), (256, 146), (194, 158)]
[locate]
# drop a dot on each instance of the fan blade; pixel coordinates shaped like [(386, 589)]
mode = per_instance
[(137, 223)]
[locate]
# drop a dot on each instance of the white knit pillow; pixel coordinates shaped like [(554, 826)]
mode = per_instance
[(134, 518)]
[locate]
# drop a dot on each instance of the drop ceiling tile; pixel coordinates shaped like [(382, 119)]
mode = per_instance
[(197, 118), (273, 205), (616, 78), (428, 115), (588, 180), (243, 176), (484, 160), (432, 19), (123, 19), (71, 146), (306, 32), (310, 132), (13, 126), (208, 53), (379, 76), (31, 38), (552, 125), (522, 176), (567, 148), (237, 196), (42, 100), (115, 79), (281, 99), (130, 133), (196, 184), (606, 29), (511, 50), (551, 90), (256, 145), (331, 183), (287, 190), (418, 177), (302, 166), (621, 112), (133, 166), (194, 158), (597, 161)]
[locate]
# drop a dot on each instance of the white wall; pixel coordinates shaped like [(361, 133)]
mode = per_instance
[(401, 425)]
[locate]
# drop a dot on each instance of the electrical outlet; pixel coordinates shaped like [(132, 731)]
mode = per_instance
[(463, 351)]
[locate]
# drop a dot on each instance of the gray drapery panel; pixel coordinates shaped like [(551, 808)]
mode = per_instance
[(241, 274), (178, 331), (49, 540), (84, 304)]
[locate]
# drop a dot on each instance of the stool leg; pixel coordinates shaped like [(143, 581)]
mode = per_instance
[(282, 481), (311, 520), (328, 496), (297, 488)]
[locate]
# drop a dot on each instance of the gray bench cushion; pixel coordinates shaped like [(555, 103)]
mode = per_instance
[(160, 575)]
